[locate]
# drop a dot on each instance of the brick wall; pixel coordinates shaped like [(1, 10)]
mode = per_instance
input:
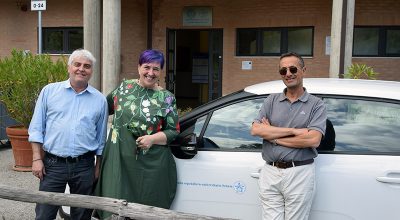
[(19, 30), (370, 12), (230, 15), (133, 35)]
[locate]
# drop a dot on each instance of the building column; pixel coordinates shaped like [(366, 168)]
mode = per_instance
[(348, 55), (111, 64), (341, 37), (92, 37)]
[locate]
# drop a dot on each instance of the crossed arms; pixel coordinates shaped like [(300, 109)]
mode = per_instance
[(288, 137)]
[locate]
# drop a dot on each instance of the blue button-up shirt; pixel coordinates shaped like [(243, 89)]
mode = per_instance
[(68, 123)]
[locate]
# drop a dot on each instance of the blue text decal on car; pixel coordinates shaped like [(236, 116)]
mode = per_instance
[(238, 186)]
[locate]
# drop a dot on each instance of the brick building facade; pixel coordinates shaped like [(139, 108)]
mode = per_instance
[(19, 30)]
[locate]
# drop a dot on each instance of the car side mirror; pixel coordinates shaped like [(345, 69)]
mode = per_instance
[(185, 147), (189, 144)]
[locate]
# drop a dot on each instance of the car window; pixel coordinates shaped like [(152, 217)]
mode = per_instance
[(364, 125), (199, 125), (193, 127), (229, 127)]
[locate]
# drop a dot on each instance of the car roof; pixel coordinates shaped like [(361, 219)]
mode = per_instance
[(335, 86)]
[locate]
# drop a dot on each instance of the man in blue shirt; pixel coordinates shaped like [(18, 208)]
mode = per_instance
[(69, 124)]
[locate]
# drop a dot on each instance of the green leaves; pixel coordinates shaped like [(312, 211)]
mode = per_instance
[(360, 71), (159, 95), (131, 97), (22, 76)]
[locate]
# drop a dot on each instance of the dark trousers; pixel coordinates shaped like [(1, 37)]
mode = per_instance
[(78, 175)]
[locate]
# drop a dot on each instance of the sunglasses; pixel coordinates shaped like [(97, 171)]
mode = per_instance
[(292, 69)]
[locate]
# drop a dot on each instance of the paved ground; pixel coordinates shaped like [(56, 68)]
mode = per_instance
[(15, 210)]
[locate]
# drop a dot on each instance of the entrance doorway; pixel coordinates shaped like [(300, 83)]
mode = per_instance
[(194, 66)]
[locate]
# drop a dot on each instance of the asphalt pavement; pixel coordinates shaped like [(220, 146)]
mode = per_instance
[(9, 209)]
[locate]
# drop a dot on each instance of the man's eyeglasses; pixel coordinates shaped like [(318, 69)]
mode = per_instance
[(292, 69)]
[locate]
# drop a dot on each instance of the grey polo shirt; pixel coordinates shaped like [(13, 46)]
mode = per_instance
[(307, 112)]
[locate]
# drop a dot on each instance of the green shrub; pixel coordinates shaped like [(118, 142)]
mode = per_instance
[(182, 112), (360, 71), (22, 76)]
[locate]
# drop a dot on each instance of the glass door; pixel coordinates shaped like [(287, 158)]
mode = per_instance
[(171, 61), (215, 64)]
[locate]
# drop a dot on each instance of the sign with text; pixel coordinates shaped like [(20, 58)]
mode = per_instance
[(197, 16), (38, 5)]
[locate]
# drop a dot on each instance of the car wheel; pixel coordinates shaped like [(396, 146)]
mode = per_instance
[(63, 214)]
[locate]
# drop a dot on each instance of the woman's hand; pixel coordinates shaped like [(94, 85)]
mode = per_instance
[(145, 142)]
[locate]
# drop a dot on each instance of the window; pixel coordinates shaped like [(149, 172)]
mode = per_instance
[(247, 42), (62, 40), (364, 126), (274, 41), (229, 127), (376, 41)]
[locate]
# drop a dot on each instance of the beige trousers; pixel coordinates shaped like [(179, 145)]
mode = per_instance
[(287, 194)]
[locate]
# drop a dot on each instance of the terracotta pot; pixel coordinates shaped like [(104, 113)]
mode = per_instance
[(22, 149)]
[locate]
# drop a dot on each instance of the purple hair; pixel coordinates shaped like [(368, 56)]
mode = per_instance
[(152, 56)]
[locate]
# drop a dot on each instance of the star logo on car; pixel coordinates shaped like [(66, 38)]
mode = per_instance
[(239, 187)]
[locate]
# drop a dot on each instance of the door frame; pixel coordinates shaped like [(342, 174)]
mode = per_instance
[(171, 66)]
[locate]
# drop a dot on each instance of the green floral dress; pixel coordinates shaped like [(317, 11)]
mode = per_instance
[(147, 177)]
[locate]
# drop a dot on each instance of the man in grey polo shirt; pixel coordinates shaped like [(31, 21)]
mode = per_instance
[(292, 124)]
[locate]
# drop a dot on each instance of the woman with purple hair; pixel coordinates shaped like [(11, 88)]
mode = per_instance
[(137, 164)]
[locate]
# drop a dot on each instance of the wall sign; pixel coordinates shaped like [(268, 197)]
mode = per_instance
[(328, 45), (197, 16), (247, 65)]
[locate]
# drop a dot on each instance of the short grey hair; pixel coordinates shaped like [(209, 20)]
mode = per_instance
[(81, 53), (292, 54)]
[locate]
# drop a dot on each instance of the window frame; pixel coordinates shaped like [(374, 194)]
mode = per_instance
[(65, 42), (283, 44), (382, 34)]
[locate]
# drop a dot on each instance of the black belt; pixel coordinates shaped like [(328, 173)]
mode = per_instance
[(84, 156), (284, 165)]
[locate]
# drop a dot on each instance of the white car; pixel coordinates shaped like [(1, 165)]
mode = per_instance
[(358, 167)]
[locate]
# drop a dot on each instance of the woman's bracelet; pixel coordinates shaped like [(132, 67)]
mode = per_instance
[(36, 160)]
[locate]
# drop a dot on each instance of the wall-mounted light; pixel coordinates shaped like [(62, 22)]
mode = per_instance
[(22, 5)]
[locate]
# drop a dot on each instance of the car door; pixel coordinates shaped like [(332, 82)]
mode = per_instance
[(360, 177), (221, 180), (357, 170)]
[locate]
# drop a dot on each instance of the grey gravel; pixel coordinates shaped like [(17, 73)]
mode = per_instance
[(9, 209)]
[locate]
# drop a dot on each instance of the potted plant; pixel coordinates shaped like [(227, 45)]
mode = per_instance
[(22, 76)]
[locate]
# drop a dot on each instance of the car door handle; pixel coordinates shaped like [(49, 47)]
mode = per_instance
[(385, 179), (255, 175)]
